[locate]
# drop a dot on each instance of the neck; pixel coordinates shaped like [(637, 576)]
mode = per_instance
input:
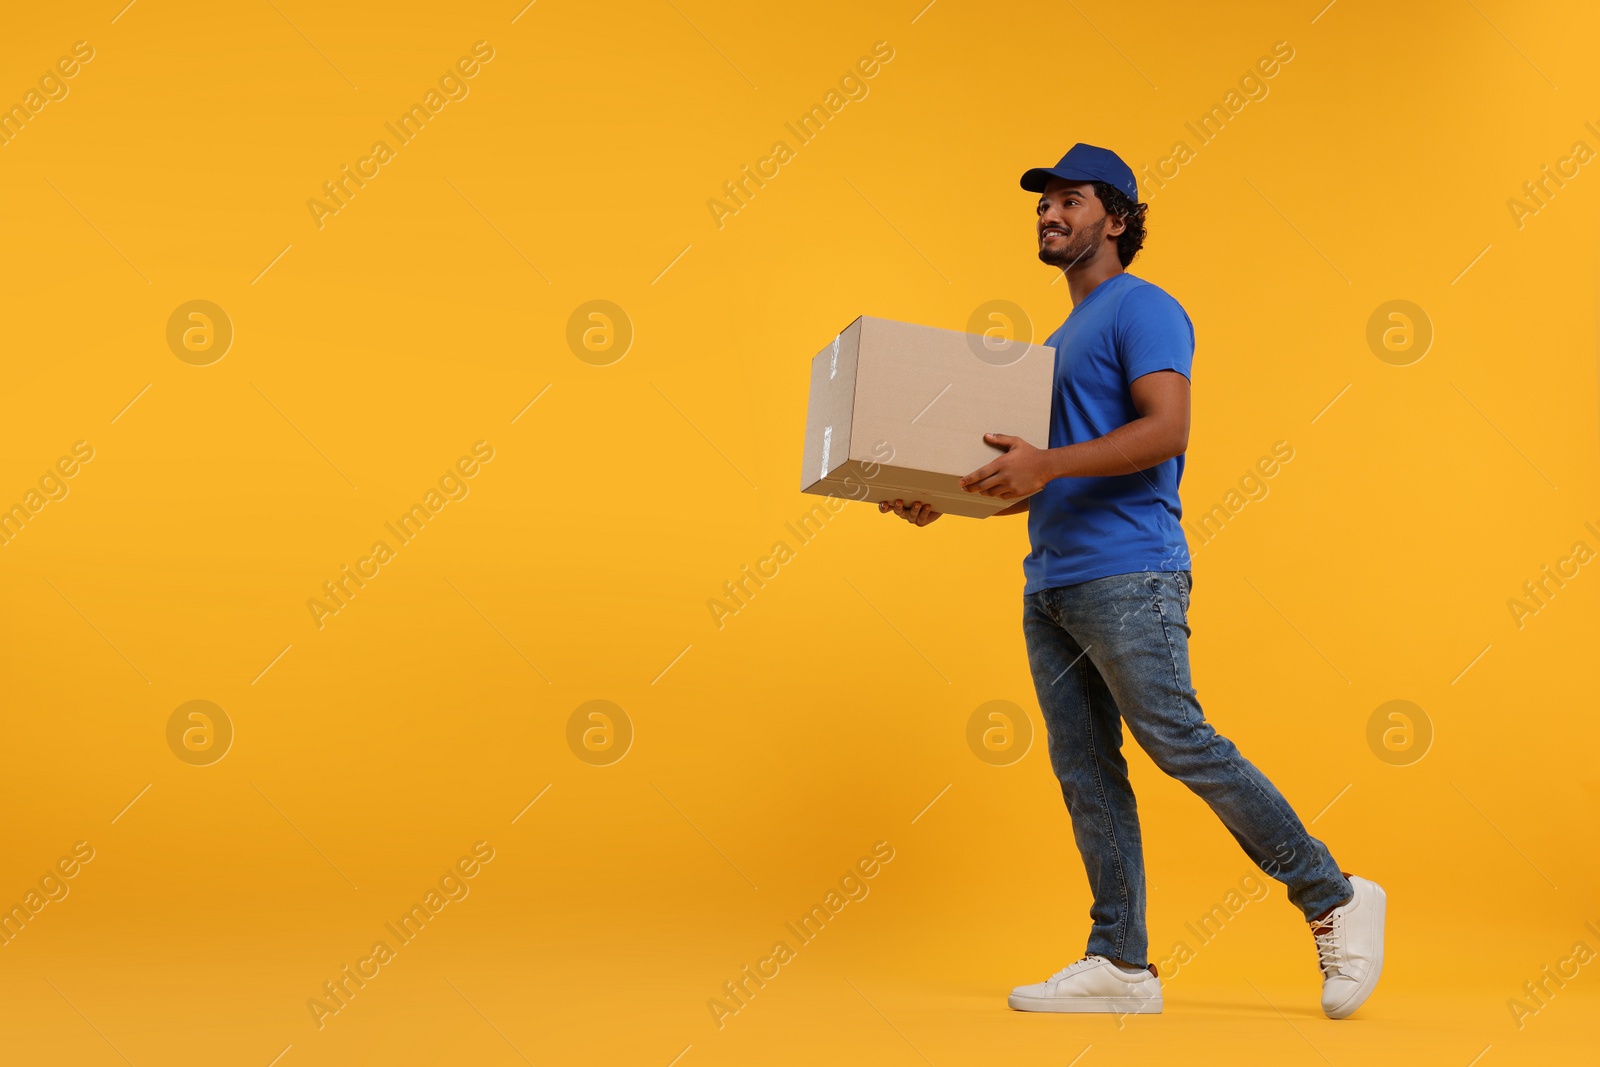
[(1082, 278)]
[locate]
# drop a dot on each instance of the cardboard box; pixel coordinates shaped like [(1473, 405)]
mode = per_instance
[(899, 410)]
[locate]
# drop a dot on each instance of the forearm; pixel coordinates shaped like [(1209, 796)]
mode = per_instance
[(1135, 446), (1019, 508)]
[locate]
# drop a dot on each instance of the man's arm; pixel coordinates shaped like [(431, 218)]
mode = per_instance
[(1160, 432), (1019, 508)]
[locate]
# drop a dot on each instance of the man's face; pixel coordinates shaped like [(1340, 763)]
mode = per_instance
[(1073, 225)]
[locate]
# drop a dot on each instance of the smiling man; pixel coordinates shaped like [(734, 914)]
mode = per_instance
[(1106, 603)]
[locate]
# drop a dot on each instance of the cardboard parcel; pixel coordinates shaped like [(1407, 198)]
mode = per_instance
[(900, 410)]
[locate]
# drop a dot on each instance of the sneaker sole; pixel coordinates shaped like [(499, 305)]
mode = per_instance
[(1364, 990), (1073, 1005)]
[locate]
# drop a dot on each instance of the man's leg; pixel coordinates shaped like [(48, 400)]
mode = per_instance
[(1085, 739), (1135, 628)]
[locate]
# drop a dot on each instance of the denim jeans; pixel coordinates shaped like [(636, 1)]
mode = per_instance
[(1116, 650)]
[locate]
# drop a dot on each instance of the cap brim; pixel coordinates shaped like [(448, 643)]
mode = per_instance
[(1036, 179)]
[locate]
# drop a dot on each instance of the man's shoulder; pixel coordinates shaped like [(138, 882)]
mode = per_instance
[(1142, 289), (1141, 296), (1144, 305)]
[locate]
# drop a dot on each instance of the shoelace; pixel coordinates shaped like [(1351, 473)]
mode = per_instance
[(1329, 935), (1071, 967)]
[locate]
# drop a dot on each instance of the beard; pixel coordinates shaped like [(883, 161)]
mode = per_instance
[(1076, 248)]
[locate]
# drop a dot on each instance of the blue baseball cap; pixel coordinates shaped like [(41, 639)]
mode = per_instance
[(1086, 163)]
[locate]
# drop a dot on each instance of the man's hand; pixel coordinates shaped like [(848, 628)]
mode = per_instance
[(916, 513), (1021, 472)]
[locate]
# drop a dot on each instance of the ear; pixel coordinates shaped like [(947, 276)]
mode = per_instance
[(1115, 225)]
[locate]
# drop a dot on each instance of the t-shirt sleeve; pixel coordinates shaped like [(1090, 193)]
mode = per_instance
[(1153, 333)]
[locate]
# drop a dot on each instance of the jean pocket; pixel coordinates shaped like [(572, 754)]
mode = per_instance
[(1170, 586)]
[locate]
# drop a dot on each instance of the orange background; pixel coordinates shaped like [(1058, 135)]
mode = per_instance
[(832, 711)]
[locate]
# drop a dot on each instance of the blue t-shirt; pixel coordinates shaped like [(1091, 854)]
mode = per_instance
[(1087, 528)]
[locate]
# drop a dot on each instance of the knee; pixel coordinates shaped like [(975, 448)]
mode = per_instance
[(1189, 754)]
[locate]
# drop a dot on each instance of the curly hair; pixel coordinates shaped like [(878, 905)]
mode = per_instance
[(1116, 202)]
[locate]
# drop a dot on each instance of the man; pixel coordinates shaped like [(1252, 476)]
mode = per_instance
[(1105, 607)]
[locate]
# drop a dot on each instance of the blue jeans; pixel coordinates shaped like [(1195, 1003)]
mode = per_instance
[(1116, 650)]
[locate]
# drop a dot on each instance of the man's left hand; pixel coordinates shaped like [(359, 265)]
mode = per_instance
[(1021, 472)]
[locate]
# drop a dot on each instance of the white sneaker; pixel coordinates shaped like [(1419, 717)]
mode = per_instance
[(1350, 949), (1094, 983)]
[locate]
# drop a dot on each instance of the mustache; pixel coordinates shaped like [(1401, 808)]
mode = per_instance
[(1087, 249)]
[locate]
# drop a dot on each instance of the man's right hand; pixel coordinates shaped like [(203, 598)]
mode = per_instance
[(917, 513)]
